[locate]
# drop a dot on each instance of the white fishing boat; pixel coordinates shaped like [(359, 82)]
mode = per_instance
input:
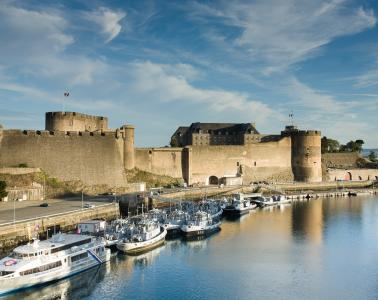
[(174, 220), (201, 223), (239, 205), (212, 207), (41, 262), (141, 237)]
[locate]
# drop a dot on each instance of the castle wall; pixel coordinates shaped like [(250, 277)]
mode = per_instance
[(352, 174), (260, 161), (93, 158), (161, 161), (73, 121)]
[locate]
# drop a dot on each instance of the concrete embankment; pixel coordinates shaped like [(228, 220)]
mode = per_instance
[(21, 232), (324, 186)]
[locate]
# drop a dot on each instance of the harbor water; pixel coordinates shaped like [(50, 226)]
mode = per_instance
[(316, 249)]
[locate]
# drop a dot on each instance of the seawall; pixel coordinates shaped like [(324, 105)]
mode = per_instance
[(12, 235)]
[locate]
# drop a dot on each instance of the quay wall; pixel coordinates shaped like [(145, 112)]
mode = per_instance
[(93, 158), (12, 235)]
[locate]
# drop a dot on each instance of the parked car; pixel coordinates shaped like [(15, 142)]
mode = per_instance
[(89, 205), (44, 205)]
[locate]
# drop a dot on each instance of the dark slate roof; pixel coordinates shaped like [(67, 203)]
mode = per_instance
[(223, 127), (181, 130)]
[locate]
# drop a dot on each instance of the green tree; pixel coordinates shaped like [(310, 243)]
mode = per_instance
[(329, 145), (3, 192), (372, 156), (358, 145)]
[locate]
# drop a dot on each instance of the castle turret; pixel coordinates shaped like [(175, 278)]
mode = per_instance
[(73, 121), (306, 155), (128, 146)]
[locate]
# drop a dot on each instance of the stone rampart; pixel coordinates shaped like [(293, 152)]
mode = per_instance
[(340, 160), (92, 157), (161, 161), (352, 174)]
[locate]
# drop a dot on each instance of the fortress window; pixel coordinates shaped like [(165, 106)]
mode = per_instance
[(237, 164), (150, 152), (25, 132), (91, 133), (255, 164), (38, 132)]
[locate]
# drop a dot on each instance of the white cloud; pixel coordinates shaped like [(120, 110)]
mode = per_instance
[(34, 43), (158, 81), (108, 20), (282, 33), (370, 78), (25, 33)]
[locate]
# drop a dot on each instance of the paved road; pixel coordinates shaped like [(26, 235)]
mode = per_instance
[(31, 209)]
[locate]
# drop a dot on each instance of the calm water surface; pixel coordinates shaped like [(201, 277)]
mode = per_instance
[(322, 249)]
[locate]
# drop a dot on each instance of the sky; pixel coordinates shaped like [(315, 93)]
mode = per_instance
[(163, 64)]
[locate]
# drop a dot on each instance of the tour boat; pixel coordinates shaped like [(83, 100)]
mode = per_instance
[(141, 237), (174, 221), (201, 223), (239, 205), (41, 262)]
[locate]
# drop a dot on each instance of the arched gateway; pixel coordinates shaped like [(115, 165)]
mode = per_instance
[(213, 180)]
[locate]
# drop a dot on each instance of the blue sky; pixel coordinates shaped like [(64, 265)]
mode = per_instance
[(162, 64)]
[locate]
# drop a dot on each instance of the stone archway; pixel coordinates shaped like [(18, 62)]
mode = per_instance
[(348, 176), (213, 180)]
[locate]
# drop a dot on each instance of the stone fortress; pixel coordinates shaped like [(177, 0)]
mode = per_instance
[(76, 146)]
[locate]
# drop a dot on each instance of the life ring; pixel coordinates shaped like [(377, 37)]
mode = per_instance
[(10, 262)]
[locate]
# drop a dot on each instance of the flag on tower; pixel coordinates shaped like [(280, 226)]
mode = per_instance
[(66, 94)]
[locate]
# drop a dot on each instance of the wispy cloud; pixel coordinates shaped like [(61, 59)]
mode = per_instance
[(108, 20), (282, 33), (160, 82), (368, 79)]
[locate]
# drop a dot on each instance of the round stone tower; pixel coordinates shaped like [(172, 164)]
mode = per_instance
[(128, 146), (306, 155), (74, 121)]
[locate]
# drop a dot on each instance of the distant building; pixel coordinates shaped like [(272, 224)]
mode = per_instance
[(205, 134)]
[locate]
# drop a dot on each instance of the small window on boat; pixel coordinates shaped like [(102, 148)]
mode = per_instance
[(79, 256)]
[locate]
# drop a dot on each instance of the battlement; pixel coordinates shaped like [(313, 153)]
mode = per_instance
[(307, 132), (47, 133), (68, 114)]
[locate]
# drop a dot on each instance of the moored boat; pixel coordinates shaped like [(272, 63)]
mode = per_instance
[(174, 221), (200, 224), (239, 205), (41, 262), (141, 237)]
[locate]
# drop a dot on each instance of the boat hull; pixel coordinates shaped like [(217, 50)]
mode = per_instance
[(194, 232), (235, 212), (135, 248)]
